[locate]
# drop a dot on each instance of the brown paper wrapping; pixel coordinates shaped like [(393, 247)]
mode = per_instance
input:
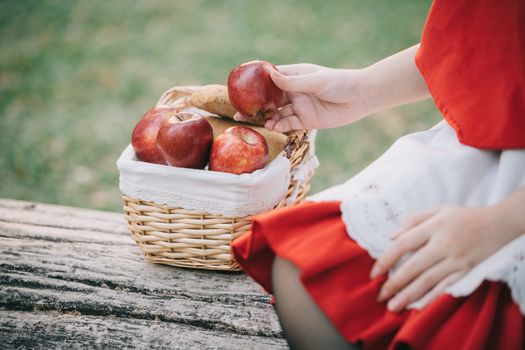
[(214, 99)]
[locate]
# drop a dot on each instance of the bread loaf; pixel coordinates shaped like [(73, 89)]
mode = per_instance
[(214, 99)]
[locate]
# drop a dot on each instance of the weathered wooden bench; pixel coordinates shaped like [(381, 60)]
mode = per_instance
[(73, 278)]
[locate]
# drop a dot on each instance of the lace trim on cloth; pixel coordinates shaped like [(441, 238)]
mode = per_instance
[(367, 208), (517, 277), (212, 192), (426, 170), (506, 265), (207, 205)]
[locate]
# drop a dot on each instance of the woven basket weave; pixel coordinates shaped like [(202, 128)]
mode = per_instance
[(185, 238)]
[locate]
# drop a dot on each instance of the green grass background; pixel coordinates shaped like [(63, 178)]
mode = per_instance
[(75, 76)]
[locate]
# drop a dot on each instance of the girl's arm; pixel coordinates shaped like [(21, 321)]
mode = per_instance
[(320, 97), (393, 81), (512, 211), (446, 244)]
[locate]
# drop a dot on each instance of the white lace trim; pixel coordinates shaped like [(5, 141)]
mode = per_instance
[(403, 181), (209, 191), (506, 265), (198, 204), (516, 279)]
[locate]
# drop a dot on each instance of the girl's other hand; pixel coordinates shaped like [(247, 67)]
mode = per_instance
[(446, 244)]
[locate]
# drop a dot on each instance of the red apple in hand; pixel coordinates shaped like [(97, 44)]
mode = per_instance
[(144, 135), (239, 150), (252, 91), (184, 140)]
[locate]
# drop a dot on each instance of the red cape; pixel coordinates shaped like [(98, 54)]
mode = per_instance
[(472, 56)]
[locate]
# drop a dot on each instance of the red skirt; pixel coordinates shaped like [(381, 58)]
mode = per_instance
[(334, 270)]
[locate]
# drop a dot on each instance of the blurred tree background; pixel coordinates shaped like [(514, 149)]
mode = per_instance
[(75, 76)]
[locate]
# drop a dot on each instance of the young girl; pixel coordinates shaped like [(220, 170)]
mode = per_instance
[(425, 248)]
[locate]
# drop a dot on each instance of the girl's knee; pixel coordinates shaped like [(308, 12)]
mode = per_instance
[(304, 324), (283, 268)]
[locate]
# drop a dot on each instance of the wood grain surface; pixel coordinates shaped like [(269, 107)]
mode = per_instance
[(74, 278)]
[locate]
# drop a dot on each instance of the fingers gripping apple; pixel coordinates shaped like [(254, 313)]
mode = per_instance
[(239, 150), (252, 91)]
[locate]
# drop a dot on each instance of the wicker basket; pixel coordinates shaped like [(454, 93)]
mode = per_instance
[(185, 238)]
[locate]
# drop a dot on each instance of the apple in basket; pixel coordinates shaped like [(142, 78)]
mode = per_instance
[(144, 135), (184, 140), (252, 91), (239, 150)]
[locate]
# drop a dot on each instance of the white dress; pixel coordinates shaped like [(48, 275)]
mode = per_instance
[(424, 170)]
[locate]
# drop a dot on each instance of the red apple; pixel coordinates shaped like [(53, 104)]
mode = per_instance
[(252, 91), (185, 139), (144, 135), (239, 150)]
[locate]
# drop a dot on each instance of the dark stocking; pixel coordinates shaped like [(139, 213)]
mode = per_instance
[(303, 323)]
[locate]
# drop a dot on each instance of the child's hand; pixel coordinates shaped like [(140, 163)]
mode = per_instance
[(446, 244), (316, 97)]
